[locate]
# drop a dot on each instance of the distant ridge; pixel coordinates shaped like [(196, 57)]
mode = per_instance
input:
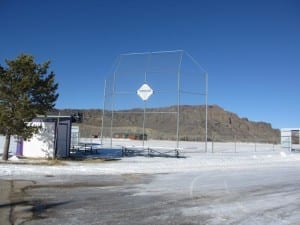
[(222, 125)]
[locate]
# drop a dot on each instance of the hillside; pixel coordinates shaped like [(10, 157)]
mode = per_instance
[(222, 125)]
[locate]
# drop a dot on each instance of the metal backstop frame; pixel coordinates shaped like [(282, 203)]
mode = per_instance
[(162, 83)]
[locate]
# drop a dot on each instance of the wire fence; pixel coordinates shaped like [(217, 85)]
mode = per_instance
[(147, 94)]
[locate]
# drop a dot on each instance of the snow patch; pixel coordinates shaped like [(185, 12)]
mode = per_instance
[(283, 154), (14, 158)]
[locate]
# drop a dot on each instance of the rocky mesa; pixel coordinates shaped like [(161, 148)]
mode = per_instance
[(161, 123)]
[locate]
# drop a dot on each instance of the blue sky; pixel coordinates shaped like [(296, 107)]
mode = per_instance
[(250, 49)]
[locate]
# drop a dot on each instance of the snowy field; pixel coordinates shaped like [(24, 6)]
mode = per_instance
[(232, 183), (218, 156)]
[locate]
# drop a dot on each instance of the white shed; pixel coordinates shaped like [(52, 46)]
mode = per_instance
[(290, 138), (53, 139)]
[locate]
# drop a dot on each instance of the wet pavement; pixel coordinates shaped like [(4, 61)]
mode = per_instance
[(248, 196)]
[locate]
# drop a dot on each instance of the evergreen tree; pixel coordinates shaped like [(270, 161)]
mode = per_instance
[(26, 90)]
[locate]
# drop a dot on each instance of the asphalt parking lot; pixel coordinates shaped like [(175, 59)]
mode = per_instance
[(248, 196)]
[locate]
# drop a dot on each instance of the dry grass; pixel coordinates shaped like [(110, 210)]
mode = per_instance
[(56, 162), (35, 161)]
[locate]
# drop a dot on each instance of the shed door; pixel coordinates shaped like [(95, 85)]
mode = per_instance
[(62, 140)]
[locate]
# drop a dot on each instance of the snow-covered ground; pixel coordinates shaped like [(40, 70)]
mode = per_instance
[(222, 156), (231, 183), (218, 156)]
